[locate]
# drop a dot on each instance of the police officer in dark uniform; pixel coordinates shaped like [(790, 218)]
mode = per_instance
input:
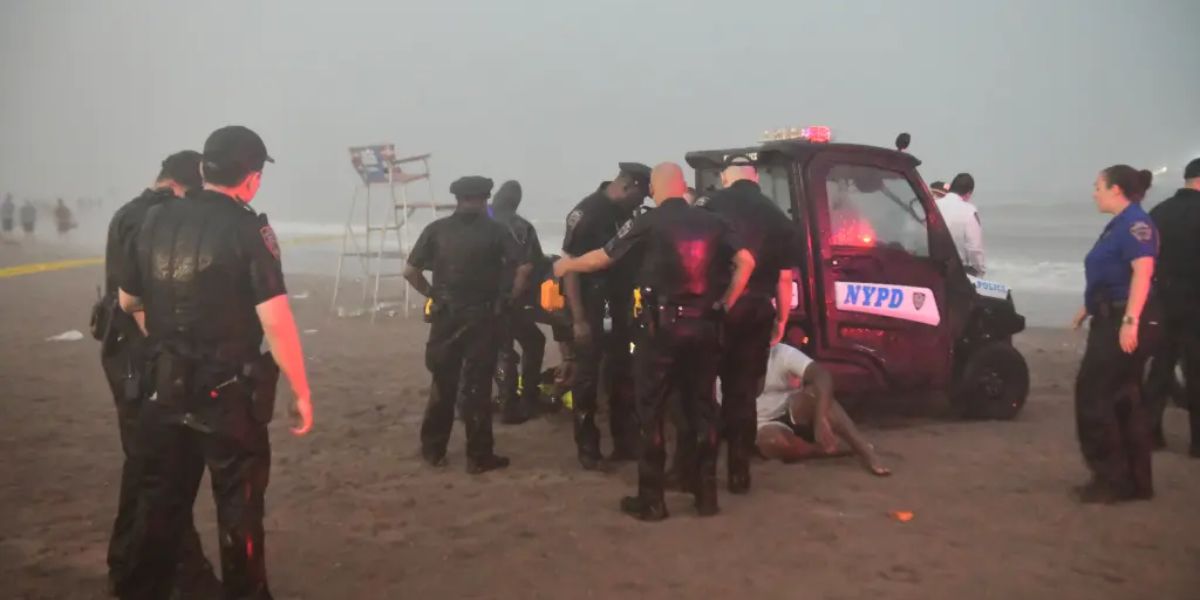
[(122, 355), (206, 271), (754, 325), (590, 225), (521, 325), (468, 254), (1178, 286), (686, 253), (1109, 410)]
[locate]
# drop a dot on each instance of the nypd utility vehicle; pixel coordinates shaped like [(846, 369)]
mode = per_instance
[(883, 299)]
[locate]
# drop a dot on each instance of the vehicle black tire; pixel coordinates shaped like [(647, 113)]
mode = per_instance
[(993, 383)]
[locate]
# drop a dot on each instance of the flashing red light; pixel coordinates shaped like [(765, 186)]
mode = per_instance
[(818, 134)]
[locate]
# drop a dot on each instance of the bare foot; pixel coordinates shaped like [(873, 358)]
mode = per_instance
[(879, 470)]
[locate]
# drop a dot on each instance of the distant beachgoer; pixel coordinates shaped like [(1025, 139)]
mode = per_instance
[(63, 218), (8, 212), (962, 219), (799, 418), (28, 217), (1110, 414)]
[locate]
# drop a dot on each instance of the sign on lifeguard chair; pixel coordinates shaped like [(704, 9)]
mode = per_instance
[(373, 162)]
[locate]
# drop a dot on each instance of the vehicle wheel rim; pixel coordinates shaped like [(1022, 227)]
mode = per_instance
[(992, 384)]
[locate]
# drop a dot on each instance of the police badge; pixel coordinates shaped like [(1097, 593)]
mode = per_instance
[(918, 300), (269, 239), (1142, 231), (573, 219)]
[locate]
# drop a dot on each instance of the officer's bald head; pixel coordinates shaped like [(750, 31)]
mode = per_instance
[(735, 173), (666, 182)]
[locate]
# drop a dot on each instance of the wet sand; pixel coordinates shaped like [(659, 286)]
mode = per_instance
[(352, 513)]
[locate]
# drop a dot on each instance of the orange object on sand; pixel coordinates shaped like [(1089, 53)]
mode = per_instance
[(903, 516)]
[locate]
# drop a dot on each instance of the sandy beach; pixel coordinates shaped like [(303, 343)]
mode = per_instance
[(352, 513)]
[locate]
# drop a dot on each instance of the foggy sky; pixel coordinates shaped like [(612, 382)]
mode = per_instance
[(1033, 97)]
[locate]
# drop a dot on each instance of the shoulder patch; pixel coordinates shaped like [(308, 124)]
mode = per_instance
[(573, 218), (625, 227), (269, 240), (1142, 231)]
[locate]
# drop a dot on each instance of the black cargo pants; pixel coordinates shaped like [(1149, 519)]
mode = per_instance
[(201, 411), (125, 368), (1110, 414), (677, 356), (607, 356), (521, 327), (461, 355), (1181, 345)]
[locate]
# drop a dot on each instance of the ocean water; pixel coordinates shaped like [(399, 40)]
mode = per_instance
[(1036, 249)]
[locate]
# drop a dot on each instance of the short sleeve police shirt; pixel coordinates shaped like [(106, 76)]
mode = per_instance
[(1129, 236)]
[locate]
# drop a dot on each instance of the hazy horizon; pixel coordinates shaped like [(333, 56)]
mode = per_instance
[(1031, 97)]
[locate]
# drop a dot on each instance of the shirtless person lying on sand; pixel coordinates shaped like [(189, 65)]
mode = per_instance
[(798, 417)]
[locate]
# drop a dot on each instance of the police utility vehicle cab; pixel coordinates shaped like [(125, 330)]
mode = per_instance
[(883, 299)]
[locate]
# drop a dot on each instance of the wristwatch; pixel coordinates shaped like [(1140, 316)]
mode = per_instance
[(1129, 320)]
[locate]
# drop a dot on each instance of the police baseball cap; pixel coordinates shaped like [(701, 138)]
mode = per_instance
[(638, 173), (237, 149), (472, 186), (1192, 170)]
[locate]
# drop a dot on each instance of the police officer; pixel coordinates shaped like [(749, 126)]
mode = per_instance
[(1110, 415), (686, 253), (1178, 286), (590, 225), (206, 272), (122, 355), (521, 325), (754, 325), (468, 254)]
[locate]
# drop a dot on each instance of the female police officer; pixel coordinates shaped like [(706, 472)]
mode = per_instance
[(1111, 421)]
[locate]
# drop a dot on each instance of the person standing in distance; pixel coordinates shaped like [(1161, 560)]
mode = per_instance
[(1110, 414), (687, 253), (8, 211), (206, 271), (28, 218), (122, 356), (590, 225), (469, 254), (521, 326), (754, 325), (1178, 286), (962, 219)]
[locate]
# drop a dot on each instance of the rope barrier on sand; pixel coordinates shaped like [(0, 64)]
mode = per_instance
[(74, 263)]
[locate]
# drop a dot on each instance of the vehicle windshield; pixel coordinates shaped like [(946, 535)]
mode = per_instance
[(773, 179)]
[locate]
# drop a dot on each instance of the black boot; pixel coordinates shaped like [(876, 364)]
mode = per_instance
[(1097, 492), (739, 468), (706, 497), (644, 510), (513, 413), (590, 458), (434, 458), (623, 452), (491, 462)]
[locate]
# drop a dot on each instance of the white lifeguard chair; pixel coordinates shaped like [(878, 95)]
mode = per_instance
[(384, 235)]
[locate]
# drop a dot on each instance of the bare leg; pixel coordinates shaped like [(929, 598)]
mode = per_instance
[(803, 410), (779, 443), (844, 427)]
